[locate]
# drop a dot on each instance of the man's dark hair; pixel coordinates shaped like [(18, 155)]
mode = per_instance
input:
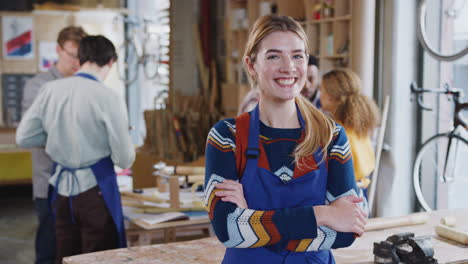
[(97, 49), (313, 60)]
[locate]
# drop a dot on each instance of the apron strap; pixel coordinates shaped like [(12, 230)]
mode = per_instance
[(248, 131), (253, 151), (87, 76), (74, 178), (243, 152)]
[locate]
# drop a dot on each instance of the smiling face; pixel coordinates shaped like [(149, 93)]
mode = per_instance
[(280, 66)]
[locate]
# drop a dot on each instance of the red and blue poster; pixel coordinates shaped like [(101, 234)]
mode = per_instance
[(47, 55), (17, 36)]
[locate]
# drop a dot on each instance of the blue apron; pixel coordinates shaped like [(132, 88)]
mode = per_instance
[(263, 190), (107, 182)]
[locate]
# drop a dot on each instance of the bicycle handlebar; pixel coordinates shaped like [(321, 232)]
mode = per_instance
[(447, 90)]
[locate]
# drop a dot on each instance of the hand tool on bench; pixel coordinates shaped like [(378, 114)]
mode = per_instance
[(404, 248), (391, 222)]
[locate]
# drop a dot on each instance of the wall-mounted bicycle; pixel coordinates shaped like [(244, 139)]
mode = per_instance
[(440, 170), (149, 52), (442, 161)]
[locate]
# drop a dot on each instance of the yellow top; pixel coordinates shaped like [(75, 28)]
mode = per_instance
[(363, 157)]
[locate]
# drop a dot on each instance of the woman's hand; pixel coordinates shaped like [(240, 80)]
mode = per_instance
[(231, 191), (343, 215)]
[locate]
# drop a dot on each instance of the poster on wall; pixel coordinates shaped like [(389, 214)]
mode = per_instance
[(17, 37), (47, 55)]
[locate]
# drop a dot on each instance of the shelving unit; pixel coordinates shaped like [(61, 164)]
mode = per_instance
[(328, 26), (340, 32)]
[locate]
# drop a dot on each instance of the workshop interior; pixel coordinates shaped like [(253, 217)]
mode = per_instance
[(177, 105)]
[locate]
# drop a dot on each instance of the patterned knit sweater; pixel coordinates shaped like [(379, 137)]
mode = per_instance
[(293, 227)]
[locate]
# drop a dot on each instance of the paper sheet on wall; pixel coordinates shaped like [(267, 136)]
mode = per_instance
[(47, 55), (17, 37)]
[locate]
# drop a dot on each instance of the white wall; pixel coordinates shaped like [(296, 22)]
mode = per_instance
[(102, 23), (142, 92), (184, 71), (394, 191)]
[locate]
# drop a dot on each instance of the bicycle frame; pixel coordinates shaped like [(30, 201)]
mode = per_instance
[(457, 116), (459, 106)]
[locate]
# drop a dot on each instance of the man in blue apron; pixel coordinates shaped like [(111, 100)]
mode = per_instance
[(84, 128), (68, 41)]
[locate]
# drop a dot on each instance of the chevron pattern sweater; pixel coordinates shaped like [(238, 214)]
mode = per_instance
[(294, 227)]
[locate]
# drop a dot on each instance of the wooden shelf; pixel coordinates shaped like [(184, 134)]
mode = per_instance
[(329, 20), (330, 37)]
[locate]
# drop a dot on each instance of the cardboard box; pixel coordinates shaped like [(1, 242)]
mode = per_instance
[(142, 170)]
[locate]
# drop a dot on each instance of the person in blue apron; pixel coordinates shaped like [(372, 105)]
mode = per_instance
[(67, 64), (279, 183), (84, 128)]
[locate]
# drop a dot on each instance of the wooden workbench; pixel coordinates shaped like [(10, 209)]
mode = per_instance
[(444, 250), (209, 250), (168, 232)]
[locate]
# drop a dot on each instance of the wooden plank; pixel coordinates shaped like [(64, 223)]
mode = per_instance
[(180, 223), (149, 237), (378, 154), (174, 199)]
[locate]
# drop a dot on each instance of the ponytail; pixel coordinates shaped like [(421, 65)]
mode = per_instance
[(359, 113), (318, 130), (350, 108)]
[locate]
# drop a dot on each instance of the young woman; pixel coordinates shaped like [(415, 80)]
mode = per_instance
[(279, 180), (342, 99)]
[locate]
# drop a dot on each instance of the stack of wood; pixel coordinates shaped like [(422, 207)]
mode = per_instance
[(179, 133)]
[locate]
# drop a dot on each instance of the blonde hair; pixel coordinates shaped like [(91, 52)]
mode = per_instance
[(352, 109), (318, 131)]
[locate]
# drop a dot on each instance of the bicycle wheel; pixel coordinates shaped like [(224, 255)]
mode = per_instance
[(423, 39), (151, 56), (127, 62), (151, 66), (439, 173)]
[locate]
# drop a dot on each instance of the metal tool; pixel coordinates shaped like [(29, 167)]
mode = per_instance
[(404, 248)]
